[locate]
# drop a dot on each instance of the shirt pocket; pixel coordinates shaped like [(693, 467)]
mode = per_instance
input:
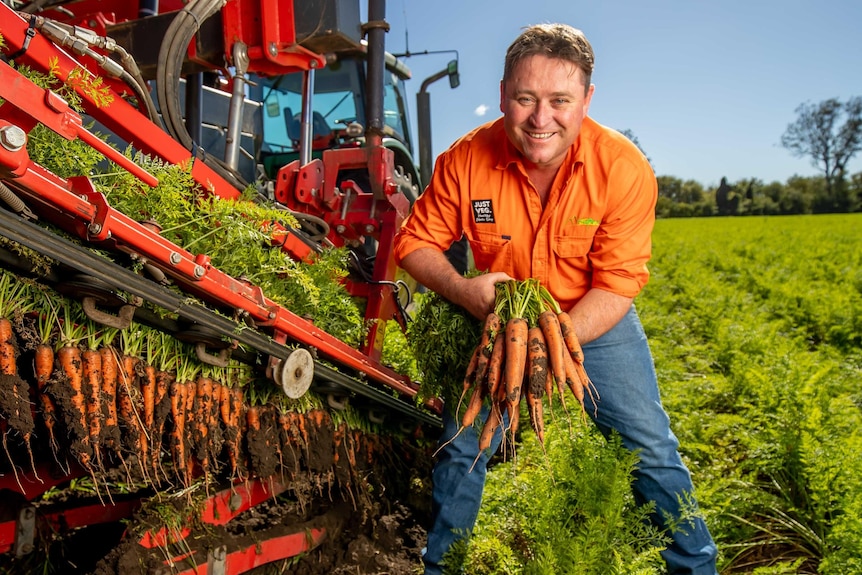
[(491, 252), (572, 250)]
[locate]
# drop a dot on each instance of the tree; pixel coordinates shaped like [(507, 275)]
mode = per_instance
[(819, 134)]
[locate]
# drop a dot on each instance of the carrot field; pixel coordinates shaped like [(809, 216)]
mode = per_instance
[(756, 330)]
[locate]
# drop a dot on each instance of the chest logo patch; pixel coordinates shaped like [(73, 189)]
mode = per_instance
[(483, 212)]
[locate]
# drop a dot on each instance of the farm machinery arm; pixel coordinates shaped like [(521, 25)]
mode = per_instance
[(259, 36)]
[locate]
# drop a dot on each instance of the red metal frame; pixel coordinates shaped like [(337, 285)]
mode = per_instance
[(219, 509), (74, 204)]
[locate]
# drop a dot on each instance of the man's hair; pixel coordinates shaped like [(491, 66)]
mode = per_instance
[(559, 41)]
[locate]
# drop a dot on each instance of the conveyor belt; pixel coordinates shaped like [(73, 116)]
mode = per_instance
[(84, 261)]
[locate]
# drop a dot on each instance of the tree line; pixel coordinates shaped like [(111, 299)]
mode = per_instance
[(828, 133)]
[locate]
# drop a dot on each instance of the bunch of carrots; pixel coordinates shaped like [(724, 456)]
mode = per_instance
[(527, 350)]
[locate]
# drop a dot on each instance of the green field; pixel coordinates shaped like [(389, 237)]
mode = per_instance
[(756, 328)]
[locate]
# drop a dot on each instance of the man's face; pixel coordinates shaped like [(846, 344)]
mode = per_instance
[(544, 103)]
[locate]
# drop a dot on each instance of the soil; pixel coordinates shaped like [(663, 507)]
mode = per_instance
[(373, 513), (370, 492)]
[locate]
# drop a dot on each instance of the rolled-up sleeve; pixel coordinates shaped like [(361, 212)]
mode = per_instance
[(622, 245), (434, 220)]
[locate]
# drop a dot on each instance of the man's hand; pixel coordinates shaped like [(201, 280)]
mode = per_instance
[(478, 294), (431, 268)]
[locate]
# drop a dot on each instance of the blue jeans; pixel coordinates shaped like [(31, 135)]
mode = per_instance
[(620, 365)]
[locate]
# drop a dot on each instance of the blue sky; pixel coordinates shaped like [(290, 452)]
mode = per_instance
[(707, 87)]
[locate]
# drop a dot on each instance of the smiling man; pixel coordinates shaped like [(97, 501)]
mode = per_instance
[(546, 192)]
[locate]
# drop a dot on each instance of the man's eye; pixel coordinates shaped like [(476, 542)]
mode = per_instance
[(524, 101)]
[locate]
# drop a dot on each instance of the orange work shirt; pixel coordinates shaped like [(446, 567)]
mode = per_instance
[(593, 232)]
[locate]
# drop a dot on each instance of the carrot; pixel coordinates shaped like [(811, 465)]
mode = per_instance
[(537, 417), (469, 375), (188, 438), (91, 365), (567, 328), (43, 366), (164, 379), (537, 361), (237, 405), (495, 419), (473, 407), (496, 364), (489, 332), (8, 349), (216, 441), (19, 416), (550, 326), (69, 358), (549, 386), (128, 410), (148, 395), (177, 394), (203, 420), (516, 361), (147, 387), (574, 381), (110, 373)]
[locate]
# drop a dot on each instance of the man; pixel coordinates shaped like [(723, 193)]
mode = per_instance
[(545, 192)]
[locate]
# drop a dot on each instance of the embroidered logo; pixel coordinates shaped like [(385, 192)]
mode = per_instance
[(583, 221), (483, 212)]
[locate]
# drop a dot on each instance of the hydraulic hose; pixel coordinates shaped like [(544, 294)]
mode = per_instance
[(179, 34)]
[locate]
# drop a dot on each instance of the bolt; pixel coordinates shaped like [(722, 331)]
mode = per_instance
[(29, 513), (27, 548), (12, 138), (369, 228), (94, 229), (199, 272), (176, 258), (273, 49), (340, 228)]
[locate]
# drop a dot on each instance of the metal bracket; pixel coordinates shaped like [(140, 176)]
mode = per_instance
[(25, 531), (217, 561)]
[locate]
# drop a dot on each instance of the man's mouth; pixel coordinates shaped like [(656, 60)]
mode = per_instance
[(540, 135)]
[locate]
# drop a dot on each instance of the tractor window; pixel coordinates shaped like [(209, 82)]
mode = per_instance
[(336, 102), (394, 111)]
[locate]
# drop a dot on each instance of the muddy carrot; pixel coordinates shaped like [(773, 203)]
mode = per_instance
[(495, 419), (470, 375), (496, 364), (537, 417), (203, 419), (567, 328), (109, 384), (43, 366), (489, 332), (177, 394), (516, 361), (148, 395), (8, 350), (91, 365), (188, 436), (69, 358)]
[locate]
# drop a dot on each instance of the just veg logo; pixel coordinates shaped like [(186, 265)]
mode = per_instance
[(483, 212)]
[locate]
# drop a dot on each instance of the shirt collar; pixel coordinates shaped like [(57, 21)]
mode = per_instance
[(508, 154)]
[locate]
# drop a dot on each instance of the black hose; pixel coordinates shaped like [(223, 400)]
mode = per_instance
[(171, 54)]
